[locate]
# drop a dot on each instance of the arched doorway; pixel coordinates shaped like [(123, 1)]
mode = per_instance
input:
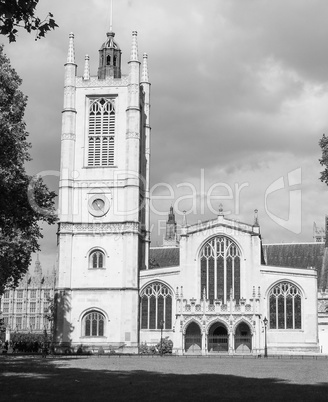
[(218, 338), (243, 338), (193, 338)]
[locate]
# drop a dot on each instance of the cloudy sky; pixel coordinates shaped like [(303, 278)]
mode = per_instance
[(239, 102)]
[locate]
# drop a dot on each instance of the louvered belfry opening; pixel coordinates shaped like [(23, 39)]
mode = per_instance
[(101, 132)]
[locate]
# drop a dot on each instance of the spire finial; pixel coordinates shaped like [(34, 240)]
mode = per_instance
[(134, 48), (37, 267), (145, 76), (111, 17), (256, 218), (184, 220), (221, 210), (71, 54), (86, 74)]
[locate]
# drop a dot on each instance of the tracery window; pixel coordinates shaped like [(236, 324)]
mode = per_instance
[(97, 259), (220, 269), (19, 323), (285, 302), (32, 307), (20, 294), (101, 132), (156, 307), (32, 322), (94, 323)]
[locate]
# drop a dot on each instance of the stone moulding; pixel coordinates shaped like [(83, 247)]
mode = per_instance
[(132, 134), (68, 136), (107, 82), (133, 88), (112, 228)]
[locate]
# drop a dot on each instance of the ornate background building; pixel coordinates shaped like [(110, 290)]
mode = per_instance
[(25, 308)]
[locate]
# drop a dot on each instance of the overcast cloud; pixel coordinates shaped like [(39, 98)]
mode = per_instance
[(239, 96)]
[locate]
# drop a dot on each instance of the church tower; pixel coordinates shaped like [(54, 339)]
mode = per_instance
[(103, 235), (171, 237)]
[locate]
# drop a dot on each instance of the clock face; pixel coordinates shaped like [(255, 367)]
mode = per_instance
[(98, 205)]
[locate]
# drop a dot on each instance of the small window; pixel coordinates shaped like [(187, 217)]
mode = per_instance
[(33, 294), (19, 307), (6, 307), (20, 294), (32, 323), (6, 295), (32, 307), (19, 323), (45, 307), (97, 259), (94, 324)]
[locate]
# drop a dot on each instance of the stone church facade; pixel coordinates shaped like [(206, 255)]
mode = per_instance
[(220, 294), (210, 290)]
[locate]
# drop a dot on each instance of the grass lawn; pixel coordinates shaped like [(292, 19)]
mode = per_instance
[(162, 379)]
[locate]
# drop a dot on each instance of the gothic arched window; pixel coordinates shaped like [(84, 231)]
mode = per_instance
[(156, 307), (101, 132), (93, 324), (285, 302), (220, 269), (97, 259)]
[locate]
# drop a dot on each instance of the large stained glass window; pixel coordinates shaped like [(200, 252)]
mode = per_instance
[(101, 132), (156, 307), (285, 304), (220, 269), (94, 324)]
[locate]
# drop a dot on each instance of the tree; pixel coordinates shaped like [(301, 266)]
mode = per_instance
[(324, 160), (21, 14), (51, 317), (25, 201)]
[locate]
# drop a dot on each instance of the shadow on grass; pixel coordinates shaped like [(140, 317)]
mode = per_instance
[(26, 379)]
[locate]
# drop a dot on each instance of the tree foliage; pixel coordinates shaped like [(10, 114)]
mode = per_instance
[(324, 160), (24, 201), (16, 14)]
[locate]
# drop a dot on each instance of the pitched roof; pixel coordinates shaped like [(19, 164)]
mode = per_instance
[(300, 255), (160, 257)]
